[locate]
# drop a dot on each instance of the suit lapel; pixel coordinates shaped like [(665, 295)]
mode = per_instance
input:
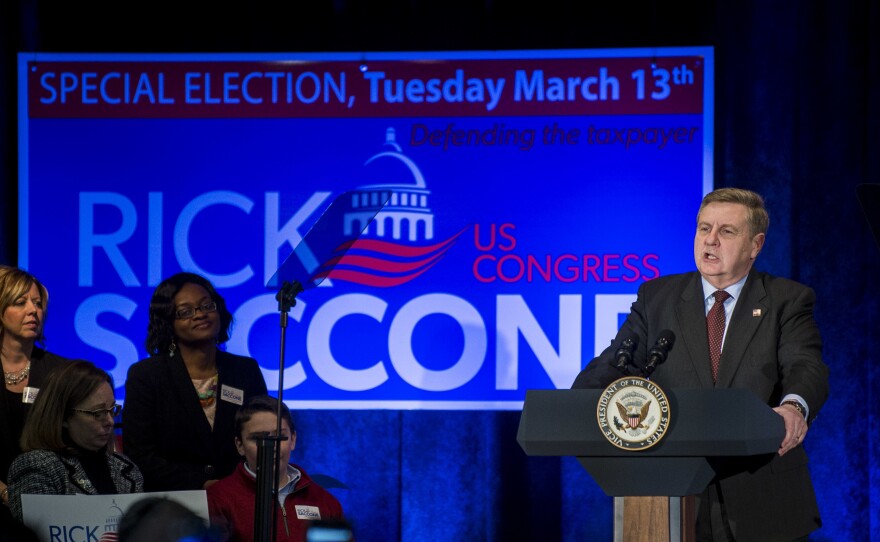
[(120, 472), (77, 476), (691, 315), (188, 400), (747, 316), (225, 413)]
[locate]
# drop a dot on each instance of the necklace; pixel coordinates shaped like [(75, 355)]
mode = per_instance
[(206, 398), (14, 378)]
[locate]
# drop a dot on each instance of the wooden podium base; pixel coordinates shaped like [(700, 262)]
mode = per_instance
[(655, 519)]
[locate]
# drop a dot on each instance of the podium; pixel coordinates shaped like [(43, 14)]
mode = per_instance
[(654, 487)]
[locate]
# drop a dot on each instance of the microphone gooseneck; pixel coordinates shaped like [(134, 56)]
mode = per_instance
[(657, 354), (624, 355)]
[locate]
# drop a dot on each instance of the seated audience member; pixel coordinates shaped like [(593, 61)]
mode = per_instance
[(68, 440), (300, 499), (180, 403), (158, 519)]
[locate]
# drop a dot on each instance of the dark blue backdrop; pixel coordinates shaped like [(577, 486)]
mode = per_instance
[(797, 117)]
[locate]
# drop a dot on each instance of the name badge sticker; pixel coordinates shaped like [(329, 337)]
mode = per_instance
[(307, 512), (231, 395), (29, 395)]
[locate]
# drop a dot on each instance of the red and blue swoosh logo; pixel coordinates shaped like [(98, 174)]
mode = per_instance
[(382, 264)]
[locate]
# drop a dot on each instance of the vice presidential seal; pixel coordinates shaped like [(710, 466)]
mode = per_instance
[(633, 413)]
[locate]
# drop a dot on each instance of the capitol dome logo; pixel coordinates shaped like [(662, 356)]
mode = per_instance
[(111, 524), (396, 245)]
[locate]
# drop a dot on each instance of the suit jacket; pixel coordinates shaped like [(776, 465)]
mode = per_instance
[(42, 363), (164, 428), (45, 472), (773, 348)]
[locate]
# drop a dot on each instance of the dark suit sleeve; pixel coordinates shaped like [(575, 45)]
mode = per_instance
[(601, 371), (259, 383), (143, 439), (802, 370)]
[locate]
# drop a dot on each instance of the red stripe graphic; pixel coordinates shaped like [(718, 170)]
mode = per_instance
[(395, 249), (381, 263)]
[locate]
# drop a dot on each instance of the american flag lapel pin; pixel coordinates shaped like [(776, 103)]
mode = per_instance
[(756, 313)]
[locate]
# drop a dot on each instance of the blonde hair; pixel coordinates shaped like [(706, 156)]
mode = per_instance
[(14, 283)]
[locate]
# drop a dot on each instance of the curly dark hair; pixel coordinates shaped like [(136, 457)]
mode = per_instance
[(160, 329)]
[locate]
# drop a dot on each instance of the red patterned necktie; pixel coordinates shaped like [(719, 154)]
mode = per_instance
[(715, 330)]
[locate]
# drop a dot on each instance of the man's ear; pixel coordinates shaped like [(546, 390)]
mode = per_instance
[(757, 244), (239, 446), (292, 440)]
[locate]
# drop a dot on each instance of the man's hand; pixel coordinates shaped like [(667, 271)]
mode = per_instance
[(795, 428)]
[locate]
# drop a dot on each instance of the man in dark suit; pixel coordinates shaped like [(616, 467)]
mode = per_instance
[(769, 343)]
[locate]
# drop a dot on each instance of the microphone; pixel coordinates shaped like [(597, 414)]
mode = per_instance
[(624, 354), (657, 354)]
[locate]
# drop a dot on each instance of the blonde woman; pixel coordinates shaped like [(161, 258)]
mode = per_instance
[(23, 304)]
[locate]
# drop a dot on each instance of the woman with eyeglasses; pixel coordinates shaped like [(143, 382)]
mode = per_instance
[(180, 403), (23, 304), (67, 440)]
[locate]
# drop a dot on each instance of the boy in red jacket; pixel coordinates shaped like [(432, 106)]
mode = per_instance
[(301, 500)]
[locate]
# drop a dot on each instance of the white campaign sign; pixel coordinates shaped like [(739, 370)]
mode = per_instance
[(93, 518)]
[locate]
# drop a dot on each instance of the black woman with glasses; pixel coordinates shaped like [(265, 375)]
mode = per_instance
[(180, 403), (68, 438)]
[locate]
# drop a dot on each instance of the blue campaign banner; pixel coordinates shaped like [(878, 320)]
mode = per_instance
[(522, 198)]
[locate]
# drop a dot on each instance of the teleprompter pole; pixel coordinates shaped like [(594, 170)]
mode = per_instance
[(267, 479)]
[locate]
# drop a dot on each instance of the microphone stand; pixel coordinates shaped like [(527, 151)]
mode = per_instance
[(657, 354), (267, 478), (314, 260)]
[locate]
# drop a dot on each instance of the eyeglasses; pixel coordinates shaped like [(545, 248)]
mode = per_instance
[(99, 413), (184, 314)]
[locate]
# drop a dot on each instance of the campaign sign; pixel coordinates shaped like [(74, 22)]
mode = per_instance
[(522, 198), (93, 518)]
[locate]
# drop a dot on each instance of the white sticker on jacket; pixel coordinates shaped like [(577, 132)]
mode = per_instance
[(307, 512), (29, 395), (232, 395)]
